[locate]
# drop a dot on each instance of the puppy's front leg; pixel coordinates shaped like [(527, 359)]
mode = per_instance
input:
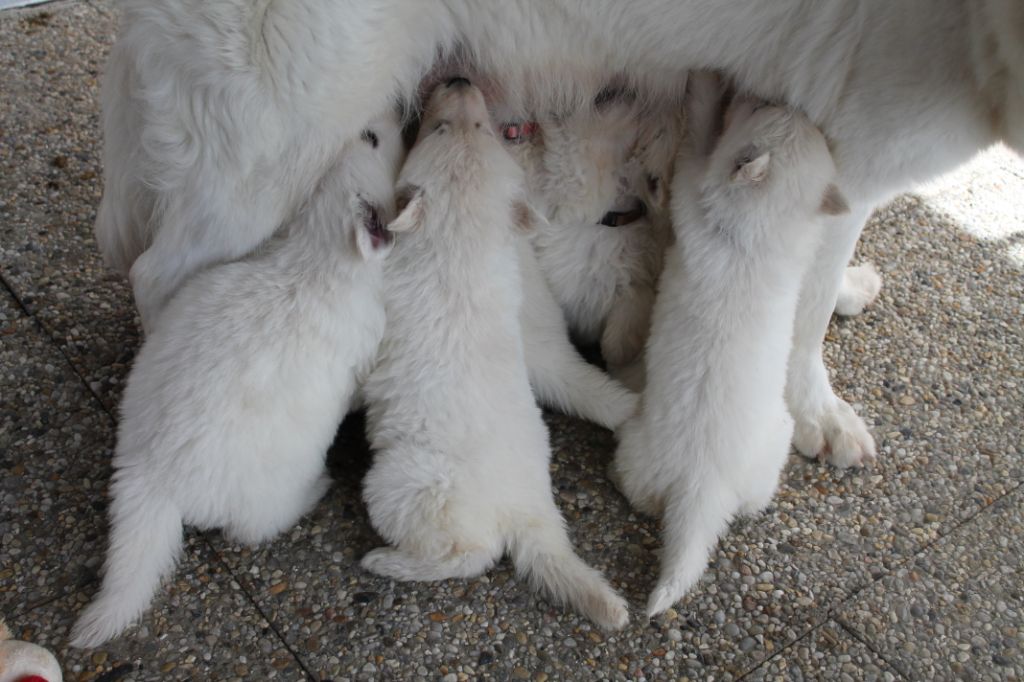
[(826, 426)]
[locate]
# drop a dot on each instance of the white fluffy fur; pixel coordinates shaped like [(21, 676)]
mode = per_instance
[(861, 284), (748, 219), (220, 114), (559, 377), (460, 472), (581, 166), (237, 393)]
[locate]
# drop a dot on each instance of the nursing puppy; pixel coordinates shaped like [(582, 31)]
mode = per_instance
[(236, 395), (460, 472), (749, 217), (603, 178)]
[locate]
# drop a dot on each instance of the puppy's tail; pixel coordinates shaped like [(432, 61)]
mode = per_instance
[(541, 552), (145, 541), (692, 523)]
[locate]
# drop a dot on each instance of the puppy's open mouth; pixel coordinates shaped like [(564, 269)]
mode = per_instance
[(621, 218), (380, 236)]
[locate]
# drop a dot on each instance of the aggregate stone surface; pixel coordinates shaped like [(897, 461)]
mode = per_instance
[(50, 180), (934, 366), (54, 437), (201, 626), (828, 653), (957, 611)]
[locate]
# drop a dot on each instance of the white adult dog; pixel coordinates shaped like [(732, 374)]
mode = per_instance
[(237, 393), (749, 216), (219, 115), (460, 471)]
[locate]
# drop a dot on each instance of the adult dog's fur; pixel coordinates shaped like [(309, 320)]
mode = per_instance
[(219, 115), (236, 395), (749, 218), (460, 472)]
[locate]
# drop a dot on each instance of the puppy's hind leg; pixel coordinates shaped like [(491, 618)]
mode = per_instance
[(636, 471), (627, 326), (278, 511)]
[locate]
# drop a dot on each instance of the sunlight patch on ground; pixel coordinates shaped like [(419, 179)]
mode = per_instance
[(985, 196)]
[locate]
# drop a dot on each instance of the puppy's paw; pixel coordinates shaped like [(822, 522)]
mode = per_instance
[(397, 564), (860, 287), (836, 435)]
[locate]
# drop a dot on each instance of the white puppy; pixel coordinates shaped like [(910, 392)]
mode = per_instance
[(748, 218), (601, 175), (236, 395), (460, 473)]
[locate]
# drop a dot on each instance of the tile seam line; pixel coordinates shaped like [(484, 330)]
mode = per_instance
[(834, 610), (113, 422), (259, 609), (50, 336), (832, 613)]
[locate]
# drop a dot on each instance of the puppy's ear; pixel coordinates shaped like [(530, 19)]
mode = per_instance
[(834, 203), (752, 170), (411, 209), (525, 217)]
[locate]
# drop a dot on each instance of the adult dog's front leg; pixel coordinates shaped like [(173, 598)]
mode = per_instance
[(826, 426)]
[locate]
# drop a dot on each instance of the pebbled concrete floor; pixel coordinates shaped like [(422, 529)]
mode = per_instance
[(912, 569)]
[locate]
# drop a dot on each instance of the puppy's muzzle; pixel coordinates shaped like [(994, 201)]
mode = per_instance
[(380, 235)]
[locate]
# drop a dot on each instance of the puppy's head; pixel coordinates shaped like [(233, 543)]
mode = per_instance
[(457, 162), (774, 158), (585, 175), (372, 162), (456, 106)]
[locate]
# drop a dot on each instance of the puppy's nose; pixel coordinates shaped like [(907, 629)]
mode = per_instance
[(458, 82)]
